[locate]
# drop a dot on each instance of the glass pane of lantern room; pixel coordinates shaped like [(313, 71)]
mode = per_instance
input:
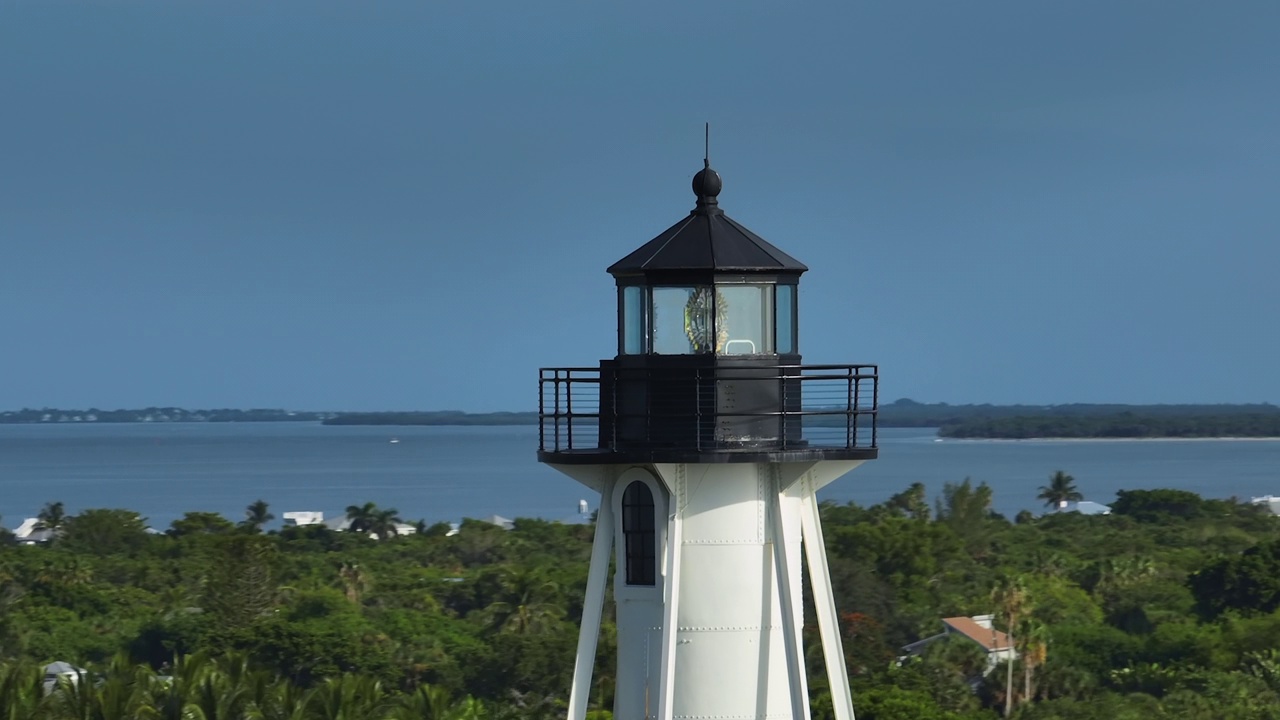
[(632, 320), (680, 320), (746, 319), (786, 318)]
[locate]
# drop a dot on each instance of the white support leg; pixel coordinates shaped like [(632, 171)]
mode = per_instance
[(815, 551), (782, 572), (671, 610), (593, 606)]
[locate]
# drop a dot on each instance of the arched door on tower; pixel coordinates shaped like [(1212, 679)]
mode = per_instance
[(640, 502), (639, 532)]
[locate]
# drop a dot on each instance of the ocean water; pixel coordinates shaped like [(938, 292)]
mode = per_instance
[(447, 473)]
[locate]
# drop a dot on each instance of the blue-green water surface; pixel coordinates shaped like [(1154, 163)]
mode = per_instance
[(446, 473)]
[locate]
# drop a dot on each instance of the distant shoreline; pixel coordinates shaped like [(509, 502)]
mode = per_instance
[(1002, 423), (1169, 438)]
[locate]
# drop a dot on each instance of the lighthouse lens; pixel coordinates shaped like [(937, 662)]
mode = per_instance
[(682, 320)]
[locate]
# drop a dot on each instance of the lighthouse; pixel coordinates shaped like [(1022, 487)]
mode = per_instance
[(708, 439)]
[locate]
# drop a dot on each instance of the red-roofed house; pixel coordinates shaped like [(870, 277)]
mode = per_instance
[(977, 629)]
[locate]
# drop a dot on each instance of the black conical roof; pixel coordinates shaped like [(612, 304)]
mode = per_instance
[(707, 240)]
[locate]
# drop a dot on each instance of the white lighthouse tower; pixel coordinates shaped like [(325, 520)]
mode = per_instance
[(708, 440)]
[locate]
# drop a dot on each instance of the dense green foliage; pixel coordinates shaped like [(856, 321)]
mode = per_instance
[(1166, 609), (1166, 505), (1248, 583), (1122, 425), (198, 687)]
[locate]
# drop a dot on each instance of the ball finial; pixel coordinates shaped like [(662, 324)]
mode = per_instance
[(707, 184)]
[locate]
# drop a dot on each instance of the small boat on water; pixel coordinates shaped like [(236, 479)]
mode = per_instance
[(394, 440)]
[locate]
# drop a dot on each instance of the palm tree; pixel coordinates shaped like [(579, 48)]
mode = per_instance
[(361, 517), (277, 699), (220, 696), (1010, 598), (52, 517), (530, 602), (384, 524), (1035, 650), (174, 696), (355, 581), (122, 692), (256, 515), (350, 697), (426, 702), (1060, 490), (21, 692)]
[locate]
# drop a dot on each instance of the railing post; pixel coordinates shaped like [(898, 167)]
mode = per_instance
[(784, 416), (613, 388), (557, 409), (875, 403), (568, 404), (851, 409), (542, 411), (697, 408)]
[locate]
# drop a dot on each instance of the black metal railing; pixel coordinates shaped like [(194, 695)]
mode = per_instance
[(769, 408)]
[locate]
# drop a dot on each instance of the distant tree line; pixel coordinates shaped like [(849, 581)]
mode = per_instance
[(173, 414), (1123, 425), (994, 421), (156, 414), (436, 417), (909, 413)]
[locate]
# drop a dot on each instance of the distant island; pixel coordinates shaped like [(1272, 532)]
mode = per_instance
[(1024, 422), (1016, 422), (436, 417), (1122, 426), (157, 415), (909, 413)]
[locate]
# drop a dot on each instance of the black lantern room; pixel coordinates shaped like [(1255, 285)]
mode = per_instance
[(708, 362), (707, 287)]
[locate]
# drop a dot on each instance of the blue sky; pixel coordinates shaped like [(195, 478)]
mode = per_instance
[(410, 205)]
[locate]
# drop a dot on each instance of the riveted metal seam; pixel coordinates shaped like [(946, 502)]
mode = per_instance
[(761, 478), (739, 628), (774, 716)]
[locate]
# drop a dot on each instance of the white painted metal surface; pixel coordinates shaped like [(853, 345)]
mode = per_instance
[(824, 602), (788, 601), (714, 638), (730, 647), (639, 611), (671, 605), (592, 608)]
